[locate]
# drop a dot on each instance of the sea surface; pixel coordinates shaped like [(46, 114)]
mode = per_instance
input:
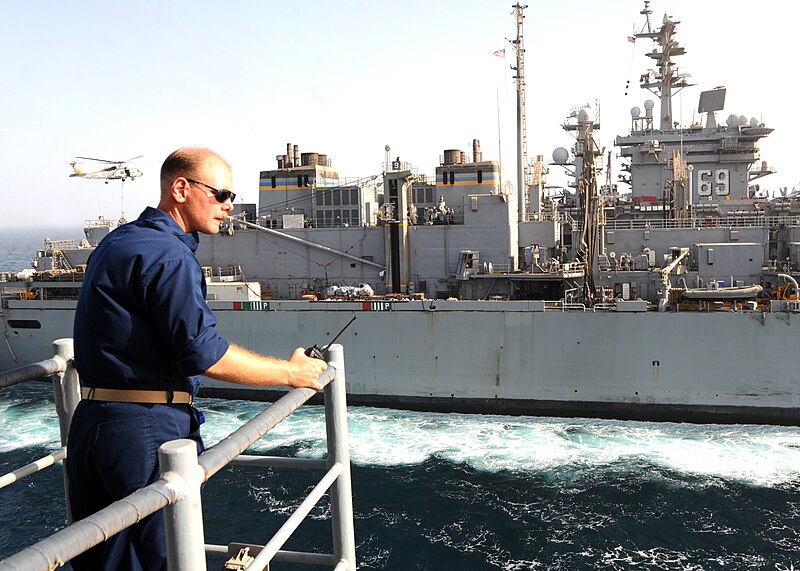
[(472, 492)]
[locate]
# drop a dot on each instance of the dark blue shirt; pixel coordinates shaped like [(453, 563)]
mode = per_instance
[(142, 320)]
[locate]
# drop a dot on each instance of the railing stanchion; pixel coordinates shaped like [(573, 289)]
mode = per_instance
[(66, 389), (183, 520), (344, 544)]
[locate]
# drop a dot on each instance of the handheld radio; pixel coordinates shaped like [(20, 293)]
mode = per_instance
[(319, 353)]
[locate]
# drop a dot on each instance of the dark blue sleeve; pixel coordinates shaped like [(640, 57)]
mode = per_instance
[(174, 293)]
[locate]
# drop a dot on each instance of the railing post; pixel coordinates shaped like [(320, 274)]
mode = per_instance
[(183, 520), (66, 389), (344, 543)]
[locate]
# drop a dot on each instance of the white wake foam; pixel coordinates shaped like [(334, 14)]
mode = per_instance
[(755, 455)]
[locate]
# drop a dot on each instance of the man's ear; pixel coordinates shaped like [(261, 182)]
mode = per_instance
[(180, 189)]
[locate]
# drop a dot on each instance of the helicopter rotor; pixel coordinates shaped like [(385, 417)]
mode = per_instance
[(110, 162)]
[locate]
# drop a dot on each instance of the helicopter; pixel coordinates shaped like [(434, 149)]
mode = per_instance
[(118, 171)]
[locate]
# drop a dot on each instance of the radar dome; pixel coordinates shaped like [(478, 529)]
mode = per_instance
[(753, 122), (649, 104), (743, 120), (560, 156), (635, 112), (585, 115), (732, 120)]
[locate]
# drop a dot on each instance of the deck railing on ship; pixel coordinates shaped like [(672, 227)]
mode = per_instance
[(183, 472), (746, 220)]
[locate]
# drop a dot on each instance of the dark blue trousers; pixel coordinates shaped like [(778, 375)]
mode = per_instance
[(112, 451)]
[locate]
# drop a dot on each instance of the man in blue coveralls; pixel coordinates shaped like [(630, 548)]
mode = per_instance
[(143, 337)]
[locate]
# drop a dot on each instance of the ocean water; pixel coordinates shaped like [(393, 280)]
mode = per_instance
[(18, 246), (451, 491)]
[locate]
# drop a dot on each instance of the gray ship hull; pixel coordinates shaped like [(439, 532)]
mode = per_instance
[(514, 357)]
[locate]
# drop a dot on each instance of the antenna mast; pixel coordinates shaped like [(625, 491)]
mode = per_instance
[(667, 80), (522, 152)]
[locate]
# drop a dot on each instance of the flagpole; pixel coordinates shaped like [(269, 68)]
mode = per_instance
[(499, 146)]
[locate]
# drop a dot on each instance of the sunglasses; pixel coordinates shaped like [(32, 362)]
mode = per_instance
[(220, 195)]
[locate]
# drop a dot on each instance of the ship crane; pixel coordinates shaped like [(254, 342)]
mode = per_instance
[(665, 271), (591, 202)]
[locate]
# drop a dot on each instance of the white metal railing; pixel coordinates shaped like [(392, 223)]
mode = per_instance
[(66, 400), (177, 492), (730, 221)]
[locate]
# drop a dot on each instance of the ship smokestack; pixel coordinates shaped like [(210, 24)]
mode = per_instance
[(289, 155), (296, 156), (477, 155)]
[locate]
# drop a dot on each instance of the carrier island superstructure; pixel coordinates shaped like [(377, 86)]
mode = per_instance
[(668, 294)]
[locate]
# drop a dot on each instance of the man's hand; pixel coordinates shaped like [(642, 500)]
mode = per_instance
[(305, 370), (241, 366)]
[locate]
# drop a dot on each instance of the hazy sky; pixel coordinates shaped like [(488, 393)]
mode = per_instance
[(118, 79)]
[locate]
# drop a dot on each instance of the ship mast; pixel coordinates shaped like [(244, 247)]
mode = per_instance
[(667, 79), (522, 159), (592, 207)]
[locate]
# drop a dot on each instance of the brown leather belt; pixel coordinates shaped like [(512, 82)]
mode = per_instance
[(142, 396)]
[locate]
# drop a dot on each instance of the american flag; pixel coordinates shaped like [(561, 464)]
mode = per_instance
[(500, 53), (632, 39)]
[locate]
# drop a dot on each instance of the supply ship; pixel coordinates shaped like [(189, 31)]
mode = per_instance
[(669, 294)]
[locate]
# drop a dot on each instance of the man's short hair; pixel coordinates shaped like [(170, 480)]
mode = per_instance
[(186, 162)]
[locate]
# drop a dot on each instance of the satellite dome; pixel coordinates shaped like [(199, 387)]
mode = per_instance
[(743, 120), (635, 112), (585, 115), (753, 122), (732, 120), (649, 104), (560, 156)]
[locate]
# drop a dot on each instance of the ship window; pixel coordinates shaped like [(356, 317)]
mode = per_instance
[(480, 176), (444, 177), (353, 196), (319, 197), (346, 217), (299, 180), (429, 194), (327, 198), (273, 182), (328, 218), (305, 180), (452, 177), (24, 324), (337, 198), (320, 219), (354, 215)]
